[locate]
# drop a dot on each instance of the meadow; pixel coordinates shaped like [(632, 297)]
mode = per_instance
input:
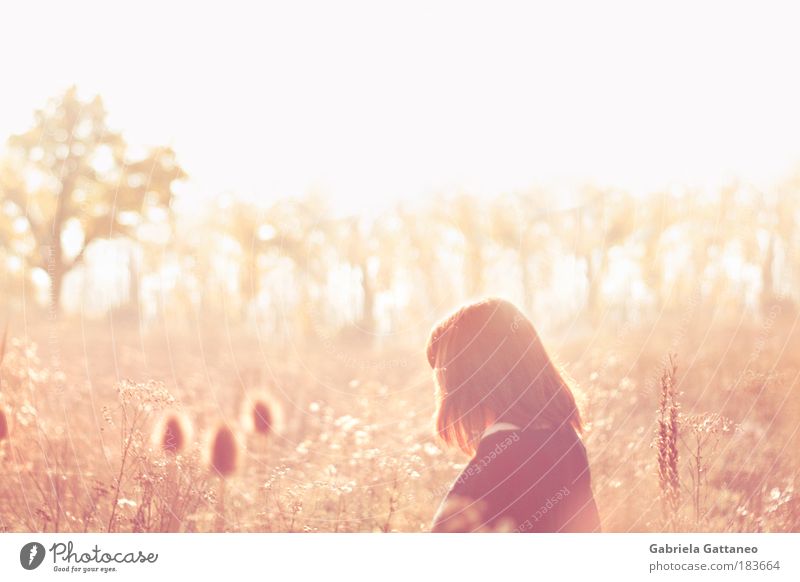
[(348, 445), (177, 358)]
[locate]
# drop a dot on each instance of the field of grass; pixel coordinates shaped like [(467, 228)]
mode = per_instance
[(350, 446)]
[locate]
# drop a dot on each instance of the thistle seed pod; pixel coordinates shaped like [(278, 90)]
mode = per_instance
[(224, 452)]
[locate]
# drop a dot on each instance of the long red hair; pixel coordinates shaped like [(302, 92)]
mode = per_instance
[(490, 366)]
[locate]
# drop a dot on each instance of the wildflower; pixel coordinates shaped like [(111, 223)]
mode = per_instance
[(709, 423), (151, 394)]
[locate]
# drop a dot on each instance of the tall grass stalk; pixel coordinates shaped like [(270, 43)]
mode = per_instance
[(667, 443)]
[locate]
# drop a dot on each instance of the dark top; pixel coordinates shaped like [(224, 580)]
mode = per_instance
[(526, 480)]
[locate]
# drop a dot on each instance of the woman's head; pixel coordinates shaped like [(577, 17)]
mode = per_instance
[(490, 366)]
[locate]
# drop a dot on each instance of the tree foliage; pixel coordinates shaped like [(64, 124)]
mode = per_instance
[(71, 179)]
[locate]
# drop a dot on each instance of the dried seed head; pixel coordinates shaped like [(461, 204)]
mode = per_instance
[(173, 434), (3, 425), (224, 452), (262, 417), (667, 441)]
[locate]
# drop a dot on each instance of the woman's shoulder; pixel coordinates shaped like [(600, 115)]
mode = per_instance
[(518, 469), (544, 438)]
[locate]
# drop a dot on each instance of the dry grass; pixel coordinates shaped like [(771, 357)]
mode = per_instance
[(667, 444), (87, 450)]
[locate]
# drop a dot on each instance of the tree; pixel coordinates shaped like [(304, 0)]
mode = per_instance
[(243, 222), (78, 184), (464, 216), (301, 231), (602, 221), (521, 223), (372, 246), (421, 245)]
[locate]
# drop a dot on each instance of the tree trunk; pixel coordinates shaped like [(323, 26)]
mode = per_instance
[(55, 270), (133, 281), (55, 259), (368, 316)]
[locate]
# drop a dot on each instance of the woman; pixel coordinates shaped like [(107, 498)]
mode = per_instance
[(501, 400)]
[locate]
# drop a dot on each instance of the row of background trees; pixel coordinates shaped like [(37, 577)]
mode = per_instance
[(87, 227)]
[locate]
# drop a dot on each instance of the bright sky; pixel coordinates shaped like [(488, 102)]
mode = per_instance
[(365, 102)]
